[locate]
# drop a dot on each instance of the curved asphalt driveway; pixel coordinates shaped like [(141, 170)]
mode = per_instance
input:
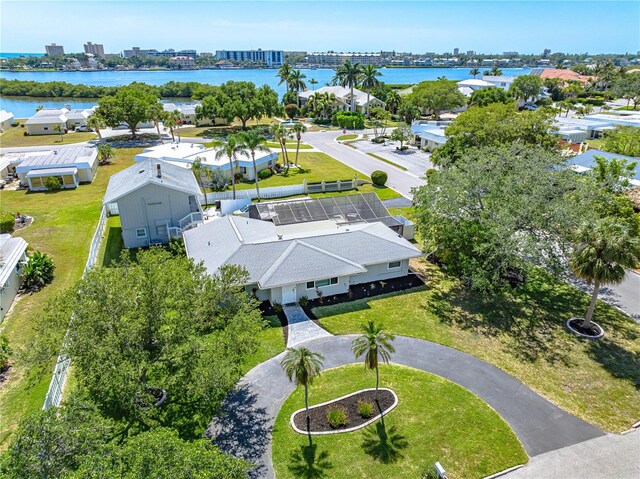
[(244, 428)]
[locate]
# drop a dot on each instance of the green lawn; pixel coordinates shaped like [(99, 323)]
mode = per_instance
[(271, 343), (291, 145), (213, 131), (347, 137), (523, 334), (14, 136), (596, 143), (435, 420), (63, 227)]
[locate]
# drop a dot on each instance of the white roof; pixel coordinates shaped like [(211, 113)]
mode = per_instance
[(11, 250), (465, 90), (472, 82), (342, 93), (81, 157), (5, 115), (48, 115)]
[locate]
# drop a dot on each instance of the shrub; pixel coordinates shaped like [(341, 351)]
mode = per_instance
[(337, 418), (277, 307), (7, 222), (379, 178), (291, 110), (264, 174), (38, 271), (378, 139), (52, 183), (5, 351), (238, 176), (304, 301), (365, 409), (346, 119), (430, 172)]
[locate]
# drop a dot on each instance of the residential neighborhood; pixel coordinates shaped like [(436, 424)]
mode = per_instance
[(243, 251)]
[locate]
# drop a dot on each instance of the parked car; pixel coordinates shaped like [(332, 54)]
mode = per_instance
[(83, 128), (530, 106)]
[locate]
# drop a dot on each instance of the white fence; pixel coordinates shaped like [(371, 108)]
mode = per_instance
[(58, 381)]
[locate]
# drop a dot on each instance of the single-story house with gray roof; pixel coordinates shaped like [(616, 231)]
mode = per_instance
[(288, 262), (156, 201), (47, 121), (586, 161)]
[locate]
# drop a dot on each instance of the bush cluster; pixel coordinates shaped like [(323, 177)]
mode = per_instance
[(337, 418), (52, 183), (303, 301), (379, 178), (365, 409), (347, 119), (264, 174)]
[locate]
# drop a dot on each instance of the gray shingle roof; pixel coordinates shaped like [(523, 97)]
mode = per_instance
[(295, 257), (145, 173)]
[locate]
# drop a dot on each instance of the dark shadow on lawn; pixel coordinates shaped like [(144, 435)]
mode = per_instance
[(310, 463), (384, 444), (618, 361), (114, 246), (242, 428)]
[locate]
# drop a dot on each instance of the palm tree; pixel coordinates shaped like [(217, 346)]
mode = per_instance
[(474, 72), (58, 129), (298, 129), (230, 148), (155, 114), (374, 344), (301, 366), (169, 121), (495, 71), (197, 170), (280, 134), (96, 122), (105, 153), (313, 83), (348, 75), (601, 255), (178, 120), (313, 103), (393, 101), (252, 141), (297, 84), (369, 80), (327, 102), (284, 73)]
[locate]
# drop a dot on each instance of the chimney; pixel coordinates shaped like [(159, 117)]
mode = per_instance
[(158, 168)]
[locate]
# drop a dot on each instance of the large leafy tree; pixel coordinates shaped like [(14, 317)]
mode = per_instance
[(628, 87), (375, 345), (349, 75), (495, 125), (623, 140), (131, 105), (526, 87), (253, 141), (156, 342), (301, 366), (437, 96), (487, 96), (601, 254), (498, 208)]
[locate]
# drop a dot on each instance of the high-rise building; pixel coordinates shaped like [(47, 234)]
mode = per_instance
[(456, 51), (96, 49), (54, 49), (509, 54), (470, 53), (270, 58), (333, 59)]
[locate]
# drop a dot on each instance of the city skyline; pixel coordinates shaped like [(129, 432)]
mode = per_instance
[(485, 27)]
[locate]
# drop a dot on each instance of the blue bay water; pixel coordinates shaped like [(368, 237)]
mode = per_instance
[(25, 107)]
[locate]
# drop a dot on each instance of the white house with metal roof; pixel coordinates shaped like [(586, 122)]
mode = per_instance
[(79, 116), (184, 154), (71, 165), (12, 258), (288, 262), (156, 201), (47, 120), (6, 119), (343, 96), (429, 134)]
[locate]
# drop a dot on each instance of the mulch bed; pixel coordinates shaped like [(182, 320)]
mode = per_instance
[(366, 290), (318, 415), (592, 330)]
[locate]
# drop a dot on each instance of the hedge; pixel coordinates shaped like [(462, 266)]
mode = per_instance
[(379, 178)]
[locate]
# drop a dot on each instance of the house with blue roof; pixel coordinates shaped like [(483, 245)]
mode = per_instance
[(586, 161), (429, 134)]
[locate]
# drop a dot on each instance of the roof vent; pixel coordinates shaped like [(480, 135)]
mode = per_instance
[(159, 170), (141, 171), (279, 236), (55, 152)]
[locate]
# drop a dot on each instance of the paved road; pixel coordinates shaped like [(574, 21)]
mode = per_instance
[(399, 180), (609, 456), (244, 428)]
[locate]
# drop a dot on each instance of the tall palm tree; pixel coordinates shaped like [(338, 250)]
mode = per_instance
[(495, 71), (327, 103), (601, 255), (369, 80), (313, 83), (97, 123), (298, 129), (58, 129), (375, 345), (297, 84), (178, 121), (252, 141), (393, 101), (313, 103), (474, 72), (230, 149), (197, 170), (284, 73), (348, 75), (155, 114), (169, 121), (280, 134), (301, 366)]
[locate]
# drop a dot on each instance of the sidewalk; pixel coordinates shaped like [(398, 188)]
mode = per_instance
[(300, 327)]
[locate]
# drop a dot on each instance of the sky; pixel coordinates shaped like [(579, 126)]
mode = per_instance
[(412, 26)]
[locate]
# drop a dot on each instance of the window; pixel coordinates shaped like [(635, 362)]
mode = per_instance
[(45, 128), (141, 233), (161, 230), (321, 283), (243, 170), (394, 264)]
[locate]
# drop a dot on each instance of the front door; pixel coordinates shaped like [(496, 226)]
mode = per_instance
[(289, 294)]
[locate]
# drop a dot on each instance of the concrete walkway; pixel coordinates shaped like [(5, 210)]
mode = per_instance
[(244, 428), (300, 327), (609, 456)]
